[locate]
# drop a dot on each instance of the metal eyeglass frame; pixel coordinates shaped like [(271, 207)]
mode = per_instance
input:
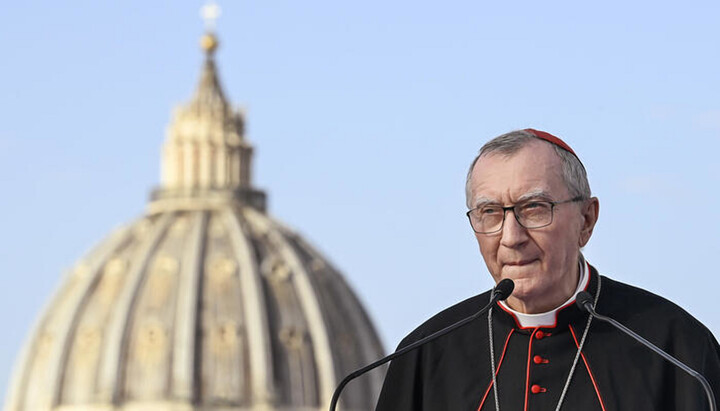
[(512, 207)]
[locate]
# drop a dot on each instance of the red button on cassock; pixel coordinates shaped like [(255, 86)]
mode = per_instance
[(539, 335), (536, 389), (540, 360)]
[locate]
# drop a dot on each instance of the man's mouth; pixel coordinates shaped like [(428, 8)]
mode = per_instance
[(518, 263)]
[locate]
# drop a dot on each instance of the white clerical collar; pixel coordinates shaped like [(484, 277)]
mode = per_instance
[(548, 319)]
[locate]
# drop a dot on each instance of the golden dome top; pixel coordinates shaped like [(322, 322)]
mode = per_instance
[(209, 43)]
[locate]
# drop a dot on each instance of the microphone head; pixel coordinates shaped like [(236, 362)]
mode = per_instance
[(503, 289), (584, 300)]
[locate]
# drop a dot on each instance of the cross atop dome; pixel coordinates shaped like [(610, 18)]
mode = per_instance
[(209, 13)]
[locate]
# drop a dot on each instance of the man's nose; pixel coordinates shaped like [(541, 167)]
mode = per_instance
[(513, 234)]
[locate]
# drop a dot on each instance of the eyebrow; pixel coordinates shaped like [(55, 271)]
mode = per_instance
[(483, 201), (538, 193), (535, 194)]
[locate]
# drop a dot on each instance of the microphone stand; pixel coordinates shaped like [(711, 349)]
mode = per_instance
[(585, 302), (501, 292)]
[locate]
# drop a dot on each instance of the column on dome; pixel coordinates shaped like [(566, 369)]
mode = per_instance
[(221, 161), (206, 161), (204, 165)]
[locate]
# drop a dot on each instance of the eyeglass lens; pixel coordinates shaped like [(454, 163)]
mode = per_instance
[(534, 214)]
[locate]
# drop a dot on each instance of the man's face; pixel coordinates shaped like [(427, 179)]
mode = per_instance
[(543, 262)]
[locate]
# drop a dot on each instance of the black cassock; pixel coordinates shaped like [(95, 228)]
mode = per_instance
[(613, 373)]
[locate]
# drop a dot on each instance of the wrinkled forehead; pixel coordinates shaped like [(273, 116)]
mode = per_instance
[(535, 171)]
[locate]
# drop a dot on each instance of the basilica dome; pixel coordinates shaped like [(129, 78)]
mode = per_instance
[(205, 302)]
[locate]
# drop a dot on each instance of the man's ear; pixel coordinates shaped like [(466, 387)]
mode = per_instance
[(590, 212)]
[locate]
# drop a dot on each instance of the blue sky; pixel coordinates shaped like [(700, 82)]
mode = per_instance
[(365, 117)]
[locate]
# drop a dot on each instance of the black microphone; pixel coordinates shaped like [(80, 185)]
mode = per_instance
[(501, 291), (585, 301)]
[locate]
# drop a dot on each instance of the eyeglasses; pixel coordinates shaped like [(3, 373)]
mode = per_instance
[(489, 219)]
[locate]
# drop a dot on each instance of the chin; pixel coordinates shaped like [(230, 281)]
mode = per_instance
[(521, 274), (524, 288)]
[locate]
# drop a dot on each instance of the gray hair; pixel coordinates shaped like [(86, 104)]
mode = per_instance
[(510, 143)]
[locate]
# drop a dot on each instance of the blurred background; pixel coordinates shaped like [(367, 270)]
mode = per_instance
[(365, 117)]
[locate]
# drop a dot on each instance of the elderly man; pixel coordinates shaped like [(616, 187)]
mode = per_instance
[(532, 212)]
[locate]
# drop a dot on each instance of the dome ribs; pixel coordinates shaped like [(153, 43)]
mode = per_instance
[(255, 308), (223, 355), (184, 379), (150, 342), (353, 348), (80, 369), (113, 357), (201, 308), (311, 310), (39, 386)]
